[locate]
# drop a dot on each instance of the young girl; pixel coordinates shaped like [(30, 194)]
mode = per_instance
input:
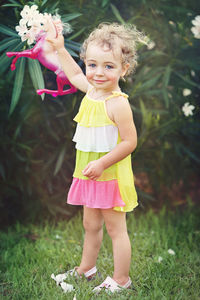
[(105, 137)]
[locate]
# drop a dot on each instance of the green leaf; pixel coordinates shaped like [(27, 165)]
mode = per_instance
[(54, 6), (15, 2), (5, 60), (166, 77), (12, 5), (44, 2), (8, 31), (69, 17), (24, 146), (60, 160), (77, 34), (190, 153), (187, 80), (72, 46), (166, 97), (149, 83), (6, 44), (17, 85), (36, 74), (72, 52), (104, 3), (2, 172), (117, 14)]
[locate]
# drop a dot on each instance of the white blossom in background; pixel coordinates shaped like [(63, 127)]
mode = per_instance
[(170, 251), (149, 43), (172, 23), (196, 28), (193, 73), (186, 92), (58, 237), (187, 110), (160, 259)]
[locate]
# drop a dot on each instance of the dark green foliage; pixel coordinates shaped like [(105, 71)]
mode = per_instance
[(37, 155)]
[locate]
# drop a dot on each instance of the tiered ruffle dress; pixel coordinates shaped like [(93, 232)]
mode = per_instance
[(96, 134)]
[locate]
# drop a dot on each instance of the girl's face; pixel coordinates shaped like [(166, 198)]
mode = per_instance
[(104, 67)]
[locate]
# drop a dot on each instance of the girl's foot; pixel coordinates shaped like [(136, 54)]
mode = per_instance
[(88, 275), (111, 285), (61, 277)]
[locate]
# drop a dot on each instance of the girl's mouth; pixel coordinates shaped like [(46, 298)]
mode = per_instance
[(99, 81)]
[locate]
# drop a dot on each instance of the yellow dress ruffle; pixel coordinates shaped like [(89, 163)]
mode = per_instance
[(92, 113)]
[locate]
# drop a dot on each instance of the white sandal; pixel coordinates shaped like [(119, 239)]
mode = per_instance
[(61, 277), (111, 285)]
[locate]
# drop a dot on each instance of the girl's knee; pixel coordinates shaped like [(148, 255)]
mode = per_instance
[(92, 226), (92, 220), (112, 231)]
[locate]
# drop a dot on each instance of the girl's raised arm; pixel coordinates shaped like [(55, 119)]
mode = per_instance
[(69, 65)]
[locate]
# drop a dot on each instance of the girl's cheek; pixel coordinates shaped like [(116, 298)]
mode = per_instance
[(89, 74), (112, 78)]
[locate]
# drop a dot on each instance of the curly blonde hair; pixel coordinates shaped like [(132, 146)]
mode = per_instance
[(110, 34)]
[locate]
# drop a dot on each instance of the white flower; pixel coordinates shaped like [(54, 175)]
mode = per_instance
[(151, 45), (22, 22), (74, 297), (37, 20), (172, 23), (58, 237), (160, 259), (30, 36), (21, 30), (187, 109), (196, 28), (59, 278), (186, 92), (193, 73), (170, 251), (66, 287), (29, 12)]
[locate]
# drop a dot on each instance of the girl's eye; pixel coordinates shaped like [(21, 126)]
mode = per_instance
[(92, 65), (109, 67)]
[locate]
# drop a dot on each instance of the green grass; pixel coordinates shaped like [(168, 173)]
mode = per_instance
[(30, 254)]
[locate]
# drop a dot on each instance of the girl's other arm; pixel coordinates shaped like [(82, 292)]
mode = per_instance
[(69, 65), (123, 118)]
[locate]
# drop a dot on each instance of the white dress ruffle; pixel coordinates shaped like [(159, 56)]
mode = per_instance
[(96, 139)]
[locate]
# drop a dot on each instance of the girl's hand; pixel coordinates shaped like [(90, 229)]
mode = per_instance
[(57, 43), (93, 170)]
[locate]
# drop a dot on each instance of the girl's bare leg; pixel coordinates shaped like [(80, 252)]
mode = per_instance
[(116, 227), (93, 225)]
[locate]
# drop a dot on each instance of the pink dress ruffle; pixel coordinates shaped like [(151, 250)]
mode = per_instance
[(95, 194)]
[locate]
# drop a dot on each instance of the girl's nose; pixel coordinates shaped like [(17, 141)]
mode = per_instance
[(99, 71)]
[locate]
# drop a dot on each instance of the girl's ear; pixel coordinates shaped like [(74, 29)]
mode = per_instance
[(125, 69)]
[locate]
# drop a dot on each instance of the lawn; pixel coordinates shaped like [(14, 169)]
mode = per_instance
[(31, 253)]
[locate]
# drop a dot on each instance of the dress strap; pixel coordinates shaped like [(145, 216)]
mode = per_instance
[(116, 94), (89, 90)]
